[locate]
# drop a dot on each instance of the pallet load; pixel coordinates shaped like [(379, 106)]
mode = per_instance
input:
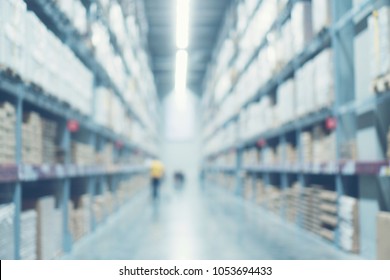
[(98, 208), (260, 192), (349, 224), (248, 188), (383, 241), (309, 210), (274, 199), (28, 235), (379, 24), (49, 244), (49, 142), (7, 133), (79, 217), (7, 231), (32, 140), (291, 200), (328, 214)]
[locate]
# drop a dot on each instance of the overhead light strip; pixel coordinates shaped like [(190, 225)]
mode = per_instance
[(181, 71), (182, 23)]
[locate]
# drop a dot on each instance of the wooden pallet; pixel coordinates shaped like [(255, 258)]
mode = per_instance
[(382, 84)]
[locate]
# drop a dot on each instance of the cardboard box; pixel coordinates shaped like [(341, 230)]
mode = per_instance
[(383, 233)]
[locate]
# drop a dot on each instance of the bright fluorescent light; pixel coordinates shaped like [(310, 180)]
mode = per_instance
[(182, 23), (181, 71)]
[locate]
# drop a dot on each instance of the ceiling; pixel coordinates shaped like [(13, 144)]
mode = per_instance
[(206, 17)]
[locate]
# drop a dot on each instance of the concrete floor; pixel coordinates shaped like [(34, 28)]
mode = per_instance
[(199, 225)]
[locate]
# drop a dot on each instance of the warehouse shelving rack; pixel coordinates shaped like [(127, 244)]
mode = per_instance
[(346, 110), (15, 177)]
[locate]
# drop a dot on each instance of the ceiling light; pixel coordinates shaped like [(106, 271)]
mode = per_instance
[(182, 23), (181, 71)]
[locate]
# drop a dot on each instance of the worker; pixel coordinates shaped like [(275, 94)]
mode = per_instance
[(156, 174), (179, 180)]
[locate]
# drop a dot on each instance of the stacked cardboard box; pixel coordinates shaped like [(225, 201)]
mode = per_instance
[(270, 156), (82, 154), (28, 235), (261, 194), (348, 150), (105, 156), (49, 142), (79, 217), (7, 133), (49, 244), (128, 188), (274, 199), (32, 148), (328, 216), (251, 157), (291, 154), (7, 231), (307, 147), (383, 241), (349, 224), (379, 24), (309, 210), (292, 195)]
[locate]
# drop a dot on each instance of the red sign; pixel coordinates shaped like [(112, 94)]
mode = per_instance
[(261, 143), (331, 123), (119, 144), (73, 125)]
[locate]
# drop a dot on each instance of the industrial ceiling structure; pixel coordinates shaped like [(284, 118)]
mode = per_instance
[(206, 19)]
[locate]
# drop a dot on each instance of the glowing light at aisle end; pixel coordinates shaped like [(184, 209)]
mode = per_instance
[(181, 71), (182, 23)]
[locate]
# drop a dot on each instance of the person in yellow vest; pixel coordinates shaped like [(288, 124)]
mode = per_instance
[(156, 175)]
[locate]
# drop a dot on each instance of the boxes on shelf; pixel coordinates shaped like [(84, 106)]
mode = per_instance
[(82, 154), (323, 79), (274, 199), (383, 241), (28, 235), (260, 192), (309, 210), (248, 187), (7, 231), (286, 101), (291, 200), (322, 14), (50, 149), (251, 157), (379, 25), (49, 244), (32, 139), (307, 147), (301, 20), (328, 213), (12, 32), (79, 217), (7, 133), (349, 224)]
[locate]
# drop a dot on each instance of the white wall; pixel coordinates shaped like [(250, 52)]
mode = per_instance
[(181, 143)]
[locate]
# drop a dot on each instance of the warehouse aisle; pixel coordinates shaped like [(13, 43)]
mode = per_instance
[(199, 225)]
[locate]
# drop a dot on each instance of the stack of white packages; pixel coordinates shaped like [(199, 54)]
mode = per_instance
[(323, 79), (286, 101), (301, 20), (28, 238), (349, 224), (379, 24), (322, 14), (12, 32), (49, 229), (75, 11), (7, 212)]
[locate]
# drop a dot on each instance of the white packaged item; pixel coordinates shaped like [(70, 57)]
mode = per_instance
[(322, 14), (301, 20)]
